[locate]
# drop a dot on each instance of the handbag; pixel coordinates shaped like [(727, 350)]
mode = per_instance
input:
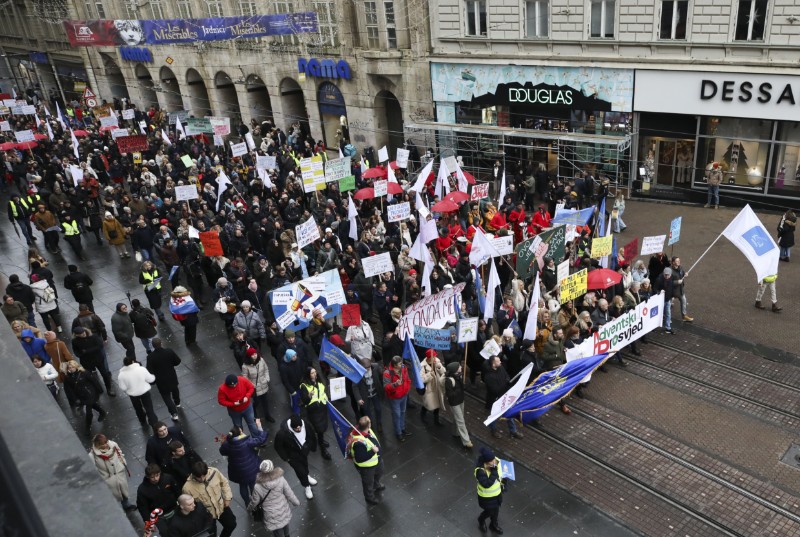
[(258, 511)]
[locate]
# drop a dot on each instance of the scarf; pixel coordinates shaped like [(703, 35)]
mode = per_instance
[(301, 436)]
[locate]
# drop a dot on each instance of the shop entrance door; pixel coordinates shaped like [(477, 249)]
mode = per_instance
[(673, 160)]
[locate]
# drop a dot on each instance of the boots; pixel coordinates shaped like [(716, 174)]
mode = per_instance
[(776, 308), (422, 414), (759, 306), (436, 418)]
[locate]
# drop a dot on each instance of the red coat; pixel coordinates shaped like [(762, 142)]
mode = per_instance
[(231, 396), (390, 376), (541, 220)]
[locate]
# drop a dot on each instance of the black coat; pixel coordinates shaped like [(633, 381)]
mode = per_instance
[(454, 390), (286, 444), (181, 468), (190, 525), (80, 285), (292, 373), (22, 293), (83, 386), (161, 363), (157, 450), (142, 326), (89, 350), (162, 495), (496, 384)]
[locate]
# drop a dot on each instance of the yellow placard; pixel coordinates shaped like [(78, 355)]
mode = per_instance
[(574, 286), (601, 246), (137, 158)]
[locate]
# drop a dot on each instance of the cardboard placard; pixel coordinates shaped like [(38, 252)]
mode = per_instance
[(211, 243), (490, 348), (630, 250), (24, 136), (347, 183), (129, 113), (336, 169), (186, 192), (377, 264), (313, 172), (351, 315), (602, 246), (574, 286), (237, 150), (383, 154), (265, 162), (402, 158), (468, 329), (398, 212), (479, 191), (381, 188), (187, 161), (109, 121), (4, 126), (653, 245), (432, 338), (503, 245), (338, 388), (307, 232), (119, 133), (220, 125), (562, 270)]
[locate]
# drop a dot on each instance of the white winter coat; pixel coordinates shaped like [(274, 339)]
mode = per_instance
[(135, 380)]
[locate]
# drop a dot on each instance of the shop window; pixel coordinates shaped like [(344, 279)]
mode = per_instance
[(751, 20), (741, 147), (476, 17), (537, 18), (184, 9), (371, 14), (603, 15), (673, 19), (391, 28)]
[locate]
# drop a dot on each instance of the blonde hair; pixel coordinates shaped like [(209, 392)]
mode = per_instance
[(74, 364)]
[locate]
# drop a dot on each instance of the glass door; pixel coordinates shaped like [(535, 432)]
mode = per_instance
[(665, 157)]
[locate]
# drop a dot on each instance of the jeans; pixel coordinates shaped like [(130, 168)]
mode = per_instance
[(147, 254), (246, 490), (24, 226), (785, 252), (684, 305), (399, 414), (249, 418), (668, 314), (148, 344), (143, 405), (713, 192), (619, 223), (512, 426)]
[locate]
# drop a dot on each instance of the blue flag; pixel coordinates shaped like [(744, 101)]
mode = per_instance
[(479, 291), (601, 219), (549, 388), (574, 217), (456, 300), (340, 361), (514, 326), (411, 355), (507, 470), (341, 428)]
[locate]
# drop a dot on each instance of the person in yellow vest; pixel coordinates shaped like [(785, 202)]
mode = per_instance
[(769, 281), (365, 451), (19, 213), (315, 400), (490, 490), (150, 279), (72, 234)]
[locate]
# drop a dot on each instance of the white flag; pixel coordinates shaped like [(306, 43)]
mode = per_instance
[(224, 183), (341, 155), (46, 111), (419, 185), (352, 216), (533, 311), (264, 176), (510, 397), (49, 130), (427, 270), (750, 236), (60, 119), (463, 184), (418, 250), (390, 173), (165, 137), (75, 144), (441, 179), (502, 190), (482, 250), (491, 286), (179, 129), (194, 233)]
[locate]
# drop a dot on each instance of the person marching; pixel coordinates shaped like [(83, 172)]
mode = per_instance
[(151, 281), (315, 399), (768, 282), (365, 452), (490, 490)]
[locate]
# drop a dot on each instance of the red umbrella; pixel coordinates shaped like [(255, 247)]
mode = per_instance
[(603, 279), (39, 136), (456, 196), (375, 173), (106, 128), (8, 146), (26, 145), (394, 188), (80, 133), (365, 194), (444, 206), (394, 165)]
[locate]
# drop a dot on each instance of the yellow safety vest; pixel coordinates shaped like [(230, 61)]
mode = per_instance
[(372, 461), (770, 279), (14, 208), (489, 492), (71, 228), (317, 393), (28, 202), (149, 278)]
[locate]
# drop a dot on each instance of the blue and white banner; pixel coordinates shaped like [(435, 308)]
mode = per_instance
[(342, 429), (573, 216), (305, 301), (410, 355), (182, 305), (341, 361), (749, 235), (432, 338)]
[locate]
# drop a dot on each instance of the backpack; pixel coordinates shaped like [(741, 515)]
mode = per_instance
[(48, 295)]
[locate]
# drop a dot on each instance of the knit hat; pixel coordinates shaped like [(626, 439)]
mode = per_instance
[(79, 330), (246, 303), (430, 353), (108, 214), (287, 357), (231, 380), (266, 466), (336, 339), (251, 351), (50, 336), (35, 278), (487, 455), (508, 333), (295, 421), (452, 368), (288, 333)]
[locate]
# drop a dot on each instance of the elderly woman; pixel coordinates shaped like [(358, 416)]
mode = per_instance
[(274, 495), (639, 271), (250, 322), (432, 373)]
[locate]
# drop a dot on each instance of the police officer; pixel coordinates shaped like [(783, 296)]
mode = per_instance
[(72, 234), (365, 451), (490, 490), (19, 213)]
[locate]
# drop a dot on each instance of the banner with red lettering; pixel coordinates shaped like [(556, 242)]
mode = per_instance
[(132, 144)]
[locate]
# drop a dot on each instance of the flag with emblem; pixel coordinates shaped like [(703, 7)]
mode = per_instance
[(749, 235)]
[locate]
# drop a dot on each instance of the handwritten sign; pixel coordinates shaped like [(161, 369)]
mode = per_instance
[(307, 232), (347, 183), (336, 169), (675, 231), (383, 154), (574, 286), (351, 315), (479, 191), (468, 329), (220, 125), (377, 264), (398, 212), (4, 126), (503, 245), (109, 121), (186, 193), (402, 158), (432, 311), (630, 250), (601, 246), (653, 245), (179, 114), (198, 125), (237, 150), (432, 338), (381, 188), (132, 144), (562, 270), (265, 162), (212, 246), (313, 173), (129, 113), (187, 161), (24, 136)]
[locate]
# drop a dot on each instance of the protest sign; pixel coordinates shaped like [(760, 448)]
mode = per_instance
[(573, 286), (137, 157), (630, 250), (399, 211), (109, 121), (432, 338), (347, 183), (338, 388), (479, 191), (118, 133), (251, 143), (186, 192), (182, 114), (351, 315), (336, 169), (503, 245), (265, 162), (132, 144), (212, 246), (4, 126), (237, 150), (433, 311), (402, 158), (218, 140), (197, 125), (220, 125), (490, 348), (381, 188), (187, 161), (295, 304), (377, 264), (675, 231), (76, 173), (383, 154), (129, 113), (506, 470), (601, 246), (468, 329), (24, 136), (531, 253), (653, 245), (562, 271), (307, 232), (143, 127), (313, 173), (451, 163)]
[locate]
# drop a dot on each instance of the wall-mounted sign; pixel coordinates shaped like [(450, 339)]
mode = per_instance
[(136, 54), (539, 96), (323, 68)]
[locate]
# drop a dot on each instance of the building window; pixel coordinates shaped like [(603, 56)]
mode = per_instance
[(673, 19), (285, 7), (156, 9), (371, 18), (751, 20), (326, 21), (95, 10), (214, 8), (391, 28), (476, 17), (132, 9), (247, 8), (537, 15), (602, 24), (184, 9)]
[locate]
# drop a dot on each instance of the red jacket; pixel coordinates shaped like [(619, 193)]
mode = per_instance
[(390, 376), (231, 396)]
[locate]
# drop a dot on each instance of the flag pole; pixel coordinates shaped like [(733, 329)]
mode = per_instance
[(703, 254), (466, 348)]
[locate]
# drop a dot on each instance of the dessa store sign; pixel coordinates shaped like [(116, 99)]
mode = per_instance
[(746, 95)]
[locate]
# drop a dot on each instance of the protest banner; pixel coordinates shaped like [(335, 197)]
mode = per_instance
[(132, 144), (336, 169), (383, 154), (574, 286), (109, 121), (399, 211), (220, 125), (218, 141), (4, 126), (24, 136), (377, 264), (129, 113), (468, 329), (503, 245), (212, 246), (562, 271), (675, 231), (313, 173), (197, 125), (433, 311), (531, 253), (479, 191), (187, 161), (28, 110), (307, 232), (630, 250), (432, 338), (602, 246), (186, 192), (347, 183), (381, 188), (294, 305), (490, 348), (574, 216), (237, 150), (119, 133), (653, 245), (402, 158), (76, 173), (265, 162), (351, 315)]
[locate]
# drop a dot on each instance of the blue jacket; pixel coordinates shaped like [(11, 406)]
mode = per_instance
[(36, 346), (242, 456)]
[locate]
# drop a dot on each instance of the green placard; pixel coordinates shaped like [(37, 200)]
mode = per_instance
[(187, 161), (347, 183), (552, 246)]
